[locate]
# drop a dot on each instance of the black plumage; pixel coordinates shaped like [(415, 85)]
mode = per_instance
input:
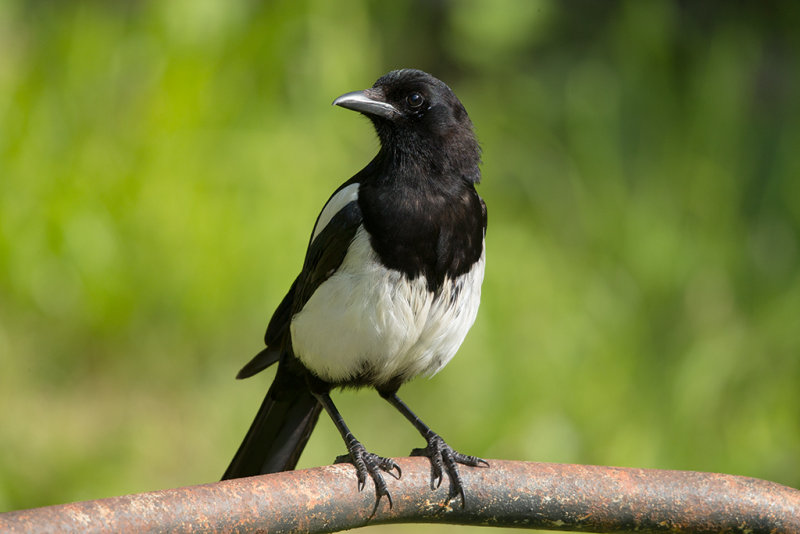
[(389, 286)]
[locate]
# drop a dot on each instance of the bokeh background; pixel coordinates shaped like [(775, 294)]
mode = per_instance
[(162, 164)]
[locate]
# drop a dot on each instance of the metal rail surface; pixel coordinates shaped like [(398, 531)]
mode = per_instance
[(510, 494)]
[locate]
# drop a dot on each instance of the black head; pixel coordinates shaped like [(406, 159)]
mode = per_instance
[(418, 116)]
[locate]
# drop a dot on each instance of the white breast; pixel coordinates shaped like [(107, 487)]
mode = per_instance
[(369, 318)]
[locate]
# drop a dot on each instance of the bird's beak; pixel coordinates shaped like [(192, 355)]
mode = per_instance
[(368, 102)]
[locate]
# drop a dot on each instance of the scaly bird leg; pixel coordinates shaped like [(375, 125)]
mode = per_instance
[(441, 455), (366, 463)]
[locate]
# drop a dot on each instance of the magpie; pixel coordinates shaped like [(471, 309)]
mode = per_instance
[(390, 284)]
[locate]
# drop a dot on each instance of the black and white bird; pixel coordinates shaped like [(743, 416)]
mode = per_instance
[(390, 285)]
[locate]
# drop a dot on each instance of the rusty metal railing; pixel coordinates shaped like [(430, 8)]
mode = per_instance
[(519, 494)]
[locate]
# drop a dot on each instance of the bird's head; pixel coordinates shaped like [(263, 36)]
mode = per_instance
[(418, 116)]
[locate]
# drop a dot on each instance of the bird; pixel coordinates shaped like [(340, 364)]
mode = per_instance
[(389, 288)]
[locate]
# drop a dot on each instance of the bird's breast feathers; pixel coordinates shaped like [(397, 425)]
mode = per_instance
[(371, 324)]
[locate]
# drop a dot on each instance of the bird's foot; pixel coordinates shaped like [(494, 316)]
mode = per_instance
[(367, 463), (443, 456)]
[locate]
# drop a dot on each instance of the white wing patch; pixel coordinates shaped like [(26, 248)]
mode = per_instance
[(368, 317), (334, 205)]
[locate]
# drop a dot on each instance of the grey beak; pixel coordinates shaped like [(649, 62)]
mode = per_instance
[(366, 102)]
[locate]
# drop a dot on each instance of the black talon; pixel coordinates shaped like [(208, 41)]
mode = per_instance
[(436, 466), (365, 462), (443, 456), (388, 465)]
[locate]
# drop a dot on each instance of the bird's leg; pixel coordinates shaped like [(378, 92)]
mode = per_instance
[(441, 455), (366, 463)]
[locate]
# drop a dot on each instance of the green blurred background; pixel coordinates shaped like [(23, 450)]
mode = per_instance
[(162, 163)]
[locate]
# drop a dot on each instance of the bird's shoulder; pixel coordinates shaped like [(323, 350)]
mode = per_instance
[(333, 232)]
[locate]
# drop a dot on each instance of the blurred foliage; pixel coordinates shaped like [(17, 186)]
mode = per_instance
[(162, 163)]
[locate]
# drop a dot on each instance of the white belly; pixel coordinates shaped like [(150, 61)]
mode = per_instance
[(370, 319)]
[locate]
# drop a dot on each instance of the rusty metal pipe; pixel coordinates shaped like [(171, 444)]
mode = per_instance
[(511, 494)]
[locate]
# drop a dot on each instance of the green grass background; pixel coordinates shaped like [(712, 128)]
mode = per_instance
[(162, 163)]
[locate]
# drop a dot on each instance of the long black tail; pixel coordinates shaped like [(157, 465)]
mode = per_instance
[(280, 430)]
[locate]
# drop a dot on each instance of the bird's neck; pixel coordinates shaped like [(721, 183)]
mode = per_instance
[(444, 162)]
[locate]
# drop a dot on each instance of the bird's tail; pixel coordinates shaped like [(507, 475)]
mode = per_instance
[(280, 430)]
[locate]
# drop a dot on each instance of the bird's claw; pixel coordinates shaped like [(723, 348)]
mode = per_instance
[(367, 463), (443, 456)]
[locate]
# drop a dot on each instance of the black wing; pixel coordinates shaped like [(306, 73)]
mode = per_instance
[(325, 254)]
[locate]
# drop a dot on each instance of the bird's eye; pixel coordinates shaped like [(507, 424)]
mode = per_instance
[(415, 100)]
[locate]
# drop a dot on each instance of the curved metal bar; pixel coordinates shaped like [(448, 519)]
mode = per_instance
[(519, 494)]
